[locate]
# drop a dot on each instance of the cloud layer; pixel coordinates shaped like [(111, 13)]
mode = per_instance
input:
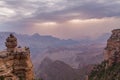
[(57, 14)]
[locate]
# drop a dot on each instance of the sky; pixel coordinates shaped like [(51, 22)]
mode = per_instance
[(65, 19)]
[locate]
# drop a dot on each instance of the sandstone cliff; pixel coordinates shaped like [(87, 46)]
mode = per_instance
[(15, 62), (109, 69)]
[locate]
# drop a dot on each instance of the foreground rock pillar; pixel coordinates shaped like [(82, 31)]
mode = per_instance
[(15, 62)]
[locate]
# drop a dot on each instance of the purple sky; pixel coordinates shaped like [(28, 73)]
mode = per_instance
[(60, 18)]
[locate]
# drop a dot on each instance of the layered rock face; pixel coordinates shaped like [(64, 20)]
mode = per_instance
[(15, 62), (109, 69), (112, 51)]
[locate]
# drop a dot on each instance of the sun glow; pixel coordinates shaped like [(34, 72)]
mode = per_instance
[(46, 24), (85, 21)]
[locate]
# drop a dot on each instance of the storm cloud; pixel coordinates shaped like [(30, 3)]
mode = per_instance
[(60, 10), (25, 14)]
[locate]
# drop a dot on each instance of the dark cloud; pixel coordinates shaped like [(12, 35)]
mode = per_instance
[(60, 10), (84, 10), (28, 11)]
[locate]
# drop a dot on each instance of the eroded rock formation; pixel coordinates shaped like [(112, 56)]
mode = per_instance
[(15, 62), (112, 51), (109, 69)]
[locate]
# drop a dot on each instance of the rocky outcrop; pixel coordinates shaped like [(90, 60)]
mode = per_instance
[(15, 62), (109, 69), (112, 51)]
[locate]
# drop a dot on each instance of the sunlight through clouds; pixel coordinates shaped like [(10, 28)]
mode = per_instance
[(60, 18), (86, 20), (46, 24)]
